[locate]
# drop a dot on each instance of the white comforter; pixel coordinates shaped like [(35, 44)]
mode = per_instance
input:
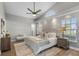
[(37, 44)]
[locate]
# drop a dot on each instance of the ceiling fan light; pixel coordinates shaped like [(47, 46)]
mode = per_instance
[(34, 14)]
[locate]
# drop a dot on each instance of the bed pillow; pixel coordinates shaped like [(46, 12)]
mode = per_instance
[(51, 37)]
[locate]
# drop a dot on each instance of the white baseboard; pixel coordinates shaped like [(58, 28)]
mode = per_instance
[(74, 48)]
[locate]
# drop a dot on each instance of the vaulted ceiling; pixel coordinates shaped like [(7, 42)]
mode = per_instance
[(20, 8)]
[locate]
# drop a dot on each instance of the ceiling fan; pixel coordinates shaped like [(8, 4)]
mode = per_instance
[(34, 12)]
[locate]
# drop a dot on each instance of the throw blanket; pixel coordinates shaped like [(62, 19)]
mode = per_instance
[(35, 43)]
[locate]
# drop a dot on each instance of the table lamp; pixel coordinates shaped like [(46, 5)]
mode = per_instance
[(62, 29)]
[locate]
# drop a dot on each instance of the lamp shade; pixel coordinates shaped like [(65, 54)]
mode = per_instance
[(62, 29)]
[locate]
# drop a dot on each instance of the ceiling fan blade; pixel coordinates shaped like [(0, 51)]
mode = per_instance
[(38, 10), (30, 10), (28, 13), (33, 12)]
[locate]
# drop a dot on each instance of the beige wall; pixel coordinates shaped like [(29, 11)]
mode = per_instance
[(49, 24)]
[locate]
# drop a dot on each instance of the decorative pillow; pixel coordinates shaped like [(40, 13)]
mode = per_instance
[(51, 36)]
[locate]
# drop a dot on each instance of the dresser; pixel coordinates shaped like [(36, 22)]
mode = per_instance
[(5, 43), (63, 43)]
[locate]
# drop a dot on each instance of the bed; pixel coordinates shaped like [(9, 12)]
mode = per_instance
[(39, 44)]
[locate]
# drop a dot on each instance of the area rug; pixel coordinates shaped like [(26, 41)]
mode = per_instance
[(23, 50)]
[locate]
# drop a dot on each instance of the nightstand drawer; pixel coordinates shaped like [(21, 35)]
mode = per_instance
[(61, 42)]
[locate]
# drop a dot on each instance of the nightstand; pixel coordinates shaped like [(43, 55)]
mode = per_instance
[(5, 44), (63, 43)]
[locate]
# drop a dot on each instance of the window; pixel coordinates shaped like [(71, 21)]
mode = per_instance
[(71, 28)]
